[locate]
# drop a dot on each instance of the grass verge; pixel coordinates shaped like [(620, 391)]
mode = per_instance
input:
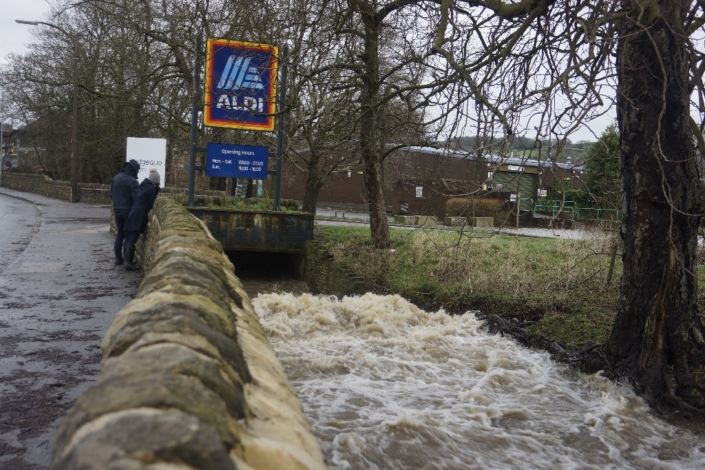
[(561, 285)]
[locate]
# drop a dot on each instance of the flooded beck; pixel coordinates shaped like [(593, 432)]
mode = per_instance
[(386, 385)]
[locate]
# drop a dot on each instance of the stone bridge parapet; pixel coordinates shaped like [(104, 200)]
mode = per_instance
[(188, 378)]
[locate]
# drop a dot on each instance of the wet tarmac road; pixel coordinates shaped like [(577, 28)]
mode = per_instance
[(59, 292)]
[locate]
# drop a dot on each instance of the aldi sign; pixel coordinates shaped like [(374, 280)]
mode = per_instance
[(240, 85)]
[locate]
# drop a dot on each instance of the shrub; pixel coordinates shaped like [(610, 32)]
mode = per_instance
[(290, 204), (486, 207), (478, 207), (457, 207)]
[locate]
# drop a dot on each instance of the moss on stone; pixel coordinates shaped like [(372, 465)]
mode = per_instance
[(190, 274), (180, 360), (182, 321), (196, 343), (136, 438), (161, 390)]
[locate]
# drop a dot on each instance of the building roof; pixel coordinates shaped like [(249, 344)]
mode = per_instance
[(496, 159)]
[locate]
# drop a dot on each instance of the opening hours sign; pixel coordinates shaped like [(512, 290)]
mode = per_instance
[(240, 85), (236, 161)]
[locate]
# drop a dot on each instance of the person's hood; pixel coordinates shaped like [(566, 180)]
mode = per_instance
[(130, 169)]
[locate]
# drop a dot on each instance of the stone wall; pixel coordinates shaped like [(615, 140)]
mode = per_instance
[(188, 378), (240, 230), (42, 184), (39, 184), (91, 193), (94, 193)]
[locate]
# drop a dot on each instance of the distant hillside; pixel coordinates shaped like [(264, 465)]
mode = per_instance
[(575, 152)]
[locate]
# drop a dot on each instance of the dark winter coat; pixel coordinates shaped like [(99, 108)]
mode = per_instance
[(124, 188), (137, 220)]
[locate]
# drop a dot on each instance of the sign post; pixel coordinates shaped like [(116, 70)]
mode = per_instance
[(195, 107), (280, 135), (2, 148)]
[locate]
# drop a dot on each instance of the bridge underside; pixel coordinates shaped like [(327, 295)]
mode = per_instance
[(267, 265), (261, 245)]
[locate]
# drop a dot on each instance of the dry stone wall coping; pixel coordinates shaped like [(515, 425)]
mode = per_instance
[(188, 378)]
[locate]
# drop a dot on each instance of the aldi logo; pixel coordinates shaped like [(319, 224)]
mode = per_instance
[(240, 85), (238, 73)]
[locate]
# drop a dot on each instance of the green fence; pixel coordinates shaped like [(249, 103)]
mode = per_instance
[(570, 209)]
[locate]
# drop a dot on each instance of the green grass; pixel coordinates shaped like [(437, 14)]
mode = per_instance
[(560, 284)]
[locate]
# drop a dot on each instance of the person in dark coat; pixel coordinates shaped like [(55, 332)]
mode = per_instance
[(137, 219), (124, 189)]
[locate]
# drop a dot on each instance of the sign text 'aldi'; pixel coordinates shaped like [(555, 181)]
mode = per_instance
[(240, 85)]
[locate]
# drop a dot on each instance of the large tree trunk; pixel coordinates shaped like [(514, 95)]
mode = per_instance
[(370, 133), (657, 340), (379, 226), (313, 186)]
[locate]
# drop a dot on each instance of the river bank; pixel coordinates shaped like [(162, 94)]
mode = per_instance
[(561, 288)]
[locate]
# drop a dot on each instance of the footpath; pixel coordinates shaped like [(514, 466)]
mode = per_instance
[(59, 292)]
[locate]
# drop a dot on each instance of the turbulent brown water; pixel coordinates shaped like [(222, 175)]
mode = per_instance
[(255, 287), (386, 385)]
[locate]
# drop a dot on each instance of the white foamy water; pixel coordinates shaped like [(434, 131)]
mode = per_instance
[(386, 385)]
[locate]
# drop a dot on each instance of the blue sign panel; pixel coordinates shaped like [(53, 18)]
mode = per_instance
[(240, 85), (236, 161)]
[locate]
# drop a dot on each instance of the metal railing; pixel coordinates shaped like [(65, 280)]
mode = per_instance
[(576, 213), (555, 207)]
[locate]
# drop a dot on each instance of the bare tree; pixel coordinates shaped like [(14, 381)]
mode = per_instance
[(38, 85), (658, 337), (388, 63), (322, 111)]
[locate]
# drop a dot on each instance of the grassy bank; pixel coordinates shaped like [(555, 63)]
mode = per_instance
[(559, 284)]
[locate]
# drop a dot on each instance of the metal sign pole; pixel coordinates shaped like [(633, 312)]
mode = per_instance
[(280, 128), (2, 134), (196, 105), (2, 149)]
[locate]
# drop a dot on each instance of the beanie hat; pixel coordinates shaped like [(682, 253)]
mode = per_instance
[(154, 176), (135, 163)]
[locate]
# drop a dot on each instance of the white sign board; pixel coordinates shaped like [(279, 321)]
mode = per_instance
[(419, 191), (150, 153), (513, 197)]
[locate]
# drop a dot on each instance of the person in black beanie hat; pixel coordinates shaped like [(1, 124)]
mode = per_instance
[(124, 189)]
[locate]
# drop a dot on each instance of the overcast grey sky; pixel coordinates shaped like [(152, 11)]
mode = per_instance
[(16, 37)]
